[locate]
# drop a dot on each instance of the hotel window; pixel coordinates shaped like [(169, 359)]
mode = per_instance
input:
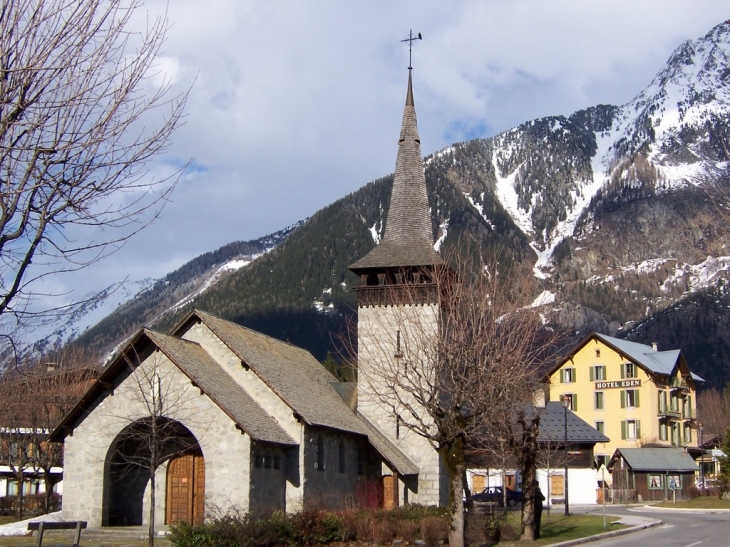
[(598, 400), (687, 433), (630, 398), (662, 402), (630, 429), (599, 427), (628, 370), (572, 401), (567, 375), (598, 373), (663, 431)]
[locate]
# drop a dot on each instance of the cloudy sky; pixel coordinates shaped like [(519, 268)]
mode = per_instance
[(296, 104)]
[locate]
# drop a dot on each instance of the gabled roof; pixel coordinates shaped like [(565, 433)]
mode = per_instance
[(652, 360), (299, 380), (657, 459), (215, 382), (202, 370), (408, 239), (552, 426)]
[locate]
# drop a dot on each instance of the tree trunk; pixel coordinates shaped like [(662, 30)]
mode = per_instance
[(528, 460), (151, 534), (453, 455)]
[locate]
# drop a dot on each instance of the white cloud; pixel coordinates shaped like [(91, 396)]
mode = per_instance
[(296, 104)]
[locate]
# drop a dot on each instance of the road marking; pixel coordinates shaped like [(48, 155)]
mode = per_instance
[(693, 544)]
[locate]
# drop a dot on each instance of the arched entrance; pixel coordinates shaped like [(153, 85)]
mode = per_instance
[(185, 498), (140, 449)]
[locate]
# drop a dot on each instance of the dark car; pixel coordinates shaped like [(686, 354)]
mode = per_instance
[(494, 494)]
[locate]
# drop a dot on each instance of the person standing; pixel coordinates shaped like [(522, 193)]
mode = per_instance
[(537, 500)]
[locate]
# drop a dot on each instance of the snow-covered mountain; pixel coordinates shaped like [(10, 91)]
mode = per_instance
[(607, 206)]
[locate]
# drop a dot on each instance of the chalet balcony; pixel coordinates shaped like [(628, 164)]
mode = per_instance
[(680, 387), (690, 414), (668, 412)]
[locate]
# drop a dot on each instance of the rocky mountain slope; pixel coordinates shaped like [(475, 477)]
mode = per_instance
[(609, 207)]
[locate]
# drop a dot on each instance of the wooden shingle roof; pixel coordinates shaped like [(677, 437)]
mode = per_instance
[(408, 239)]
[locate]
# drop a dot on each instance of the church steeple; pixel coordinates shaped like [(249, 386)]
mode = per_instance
[(408, 239)]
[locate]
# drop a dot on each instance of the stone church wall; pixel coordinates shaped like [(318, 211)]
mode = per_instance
[(225, 449), (380, 329)]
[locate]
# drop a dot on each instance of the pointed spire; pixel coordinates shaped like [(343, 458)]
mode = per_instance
[(408, 239)]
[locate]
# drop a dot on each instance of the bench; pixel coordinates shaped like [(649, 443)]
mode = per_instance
[(77, 525)]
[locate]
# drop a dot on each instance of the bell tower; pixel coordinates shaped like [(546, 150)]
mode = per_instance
[(397, 303)]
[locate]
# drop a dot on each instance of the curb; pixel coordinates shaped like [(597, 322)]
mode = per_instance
[(606, 535)]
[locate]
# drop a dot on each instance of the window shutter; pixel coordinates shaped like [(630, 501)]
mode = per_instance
[(603, 370), (593, 373), (623, 370), (636, 399), (623, 398), (562, 376), (638, 429), (574, 376), (623, 430), (575, 402)]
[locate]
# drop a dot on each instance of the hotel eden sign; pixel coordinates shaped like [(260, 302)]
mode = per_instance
[(619, 384)]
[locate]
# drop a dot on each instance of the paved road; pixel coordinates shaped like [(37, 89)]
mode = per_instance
[(679, 528)]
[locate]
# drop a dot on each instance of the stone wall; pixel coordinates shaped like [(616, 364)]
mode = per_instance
[(388, 336), (335, 464), (88, 449)]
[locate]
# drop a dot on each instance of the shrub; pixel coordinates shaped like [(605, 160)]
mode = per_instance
[(407, 530), (693, 492), (434, 529), (383, 531), (316, 527), (364, 527)]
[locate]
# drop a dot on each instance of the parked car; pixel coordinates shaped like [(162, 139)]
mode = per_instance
[(494, 494)]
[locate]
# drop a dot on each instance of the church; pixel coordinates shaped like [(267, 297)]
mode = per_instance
[(221, 416)]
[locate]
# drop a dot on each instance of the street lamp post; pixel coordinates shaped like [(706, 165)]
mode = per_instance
[(566, 404), (702, 457)]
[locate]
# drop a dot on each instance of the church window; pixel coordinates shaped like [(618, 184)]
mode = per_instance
[(341, 456), (398, 352), (258, 459), (320, 453), (360, 461), (397, 427)]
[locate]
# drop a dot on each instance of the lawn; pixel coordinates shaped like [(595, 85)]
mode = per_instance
[(703, 502), (562, 528)]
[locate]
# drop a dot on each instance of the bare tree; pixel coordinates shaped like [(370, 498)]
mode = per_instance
[(35, 399), (713, 408), (78, 128), (450, 377)]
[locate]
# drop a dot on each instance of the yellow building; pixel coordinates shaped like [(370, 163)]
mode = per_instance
[(632, 393)]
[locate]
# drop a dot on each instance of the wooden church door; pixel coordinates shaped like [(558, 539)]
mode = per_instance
[(390, 491), (186, 489)]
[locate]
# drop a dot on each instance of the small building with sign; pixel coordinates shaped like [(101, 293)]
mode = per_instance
[(635, 394), (651, 474)]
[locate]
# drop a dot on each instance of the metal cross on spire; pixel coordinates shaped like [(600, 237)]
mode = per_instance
[(410, 41)]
